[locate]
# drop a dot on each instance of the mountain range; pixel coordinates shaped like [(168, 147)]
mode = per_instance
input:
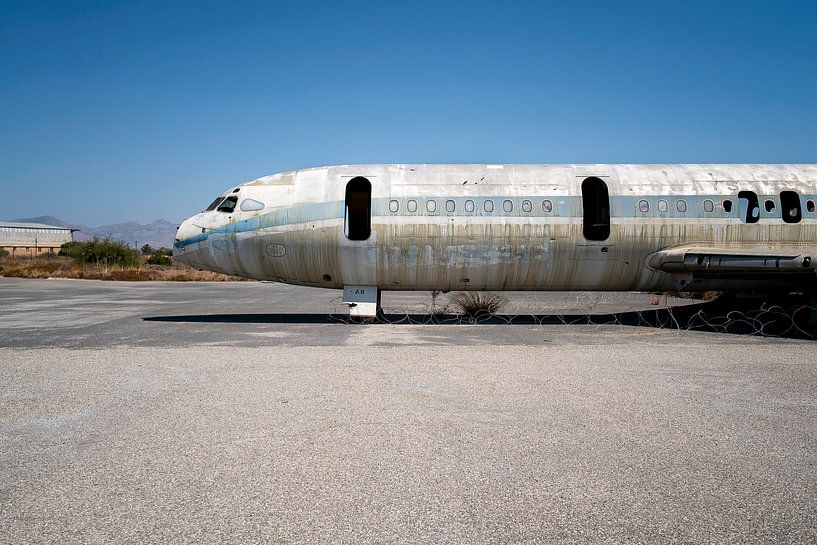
[(158, 234)]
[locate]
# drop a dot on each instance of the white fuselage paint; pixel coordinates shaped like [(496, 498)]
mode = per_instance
[(298, 237)]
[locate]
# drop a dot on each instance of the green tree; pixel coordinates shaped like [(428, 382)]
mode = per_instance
[(159, 259), (101, 251)]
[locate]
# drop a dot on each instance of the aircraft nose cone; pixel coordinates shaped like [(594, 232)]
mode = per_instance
[(184, 233)]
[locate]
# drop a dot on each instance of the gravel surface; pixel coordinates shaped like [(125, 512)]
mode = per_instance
[(232, 428)]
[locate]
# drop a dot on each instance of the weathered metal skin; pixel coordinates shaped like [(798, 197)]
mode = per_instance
[(299, 236)]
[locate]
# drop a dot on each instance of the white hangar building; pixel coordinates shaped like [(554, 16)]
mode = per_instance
[(30, 239)]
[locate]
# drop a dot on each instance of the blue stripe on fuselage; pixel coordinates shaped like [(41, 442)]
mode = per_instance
[(562, 206)]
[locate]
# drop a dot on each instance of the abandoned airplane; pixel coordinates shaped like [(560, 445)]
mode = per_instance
[(367, 228)]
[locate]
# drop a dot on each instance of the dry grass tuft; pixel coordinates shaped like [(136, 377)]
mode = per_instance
[(58, 267), (434, 309), (477, 304), (704, 295)]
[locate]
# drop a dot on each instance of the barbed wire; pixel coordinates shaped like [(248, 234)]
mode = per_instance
[(718, 316)]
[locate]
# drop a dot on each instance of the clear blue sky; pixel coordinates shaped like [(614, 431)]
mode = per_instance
[(114, 110)]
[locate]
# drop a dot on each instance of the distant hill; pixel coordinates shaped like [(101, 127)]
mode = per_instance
[(157, 234)]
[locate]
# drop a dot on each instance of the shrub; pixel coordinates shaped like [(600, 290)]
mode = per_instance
[(477, 303), (160, 259), (101, 251), (71, 249), (147, 249), (3, 253)]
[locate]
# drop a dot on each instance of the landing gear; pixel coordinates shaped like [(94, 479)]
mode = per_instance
[(363, 301)]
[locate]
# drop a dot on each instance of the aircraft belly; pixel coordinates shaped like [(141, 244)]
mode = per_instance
[(307, 256), (465, 257), (495, 257), (491, 258)]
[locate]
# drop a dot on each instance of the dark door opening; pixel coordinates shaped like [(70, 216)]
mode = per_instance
[(790, 206), (749, 207), (596, 205), (357, 223)]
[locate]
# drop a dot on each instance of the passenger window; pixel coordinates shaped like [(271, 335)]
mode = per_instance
[(810, 206), (228, 205), (681, 205), (394, 206), (527, 206), (547, 207), (769, 205), (790, 204), (507, 206), (727, 205), (488, 206), (411, 206), (469, 206), (643, 206), (748, 207), (663, 206), (709, 206), (431, 206), (214, 204), (251, 205), (450, 206)]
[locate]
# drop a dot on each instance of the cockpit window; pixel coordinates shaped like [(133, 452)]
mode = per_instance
[(251, 205), (214, 204), (228, 205)]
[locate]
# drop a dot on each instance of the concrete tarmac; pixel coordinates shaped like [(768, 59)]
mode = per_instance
[(245, 412)]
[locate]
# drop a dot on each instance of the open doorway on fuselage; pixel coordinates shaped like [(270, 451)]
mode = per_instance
[(749, 207), (357, 217), (596, 209)]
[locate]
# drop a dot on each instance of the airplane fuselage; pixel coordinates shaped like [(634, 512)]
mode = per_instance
[(516, 227)]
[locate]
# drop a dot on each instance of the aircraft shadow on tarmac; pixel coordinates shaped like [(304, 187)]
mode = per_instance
[(791, 322)]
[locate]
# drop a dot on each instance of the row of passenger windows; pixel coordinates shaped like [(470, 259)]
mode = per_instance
[(527, 206), (749, 206), (469, 205), (680, 206), (790, 208), (30, 230)]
